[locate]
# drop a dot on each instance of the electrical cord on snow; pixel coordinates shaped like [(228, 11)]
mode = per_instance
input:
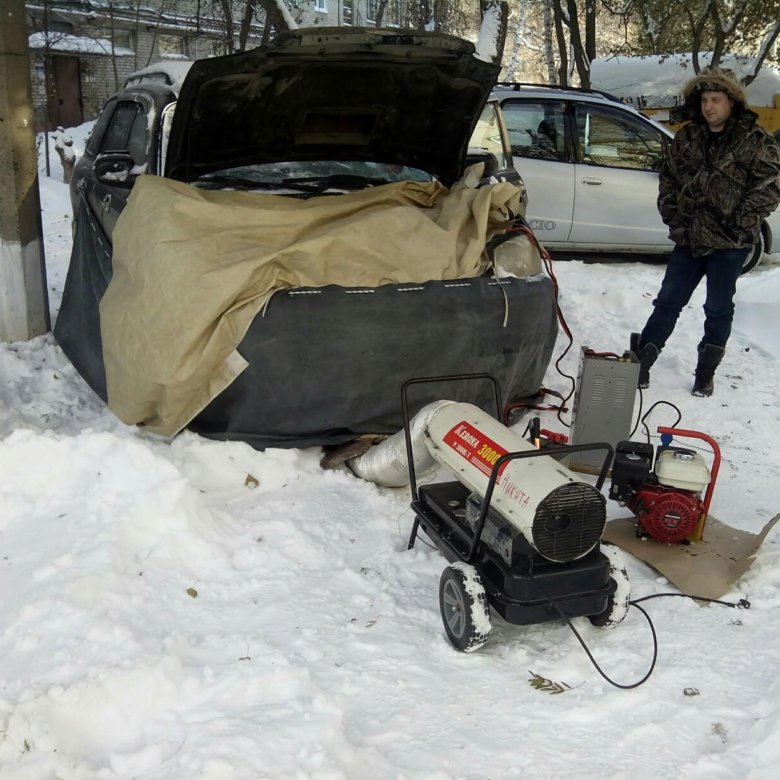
[(623, 686), (741, 604)]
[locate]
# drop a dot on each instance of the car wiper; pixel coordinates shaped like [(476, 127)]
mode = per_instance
[(336, 181), (234, 181)]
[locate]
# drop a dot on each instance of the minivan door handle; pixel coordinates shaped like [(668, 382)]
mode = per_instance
[(591, 181)]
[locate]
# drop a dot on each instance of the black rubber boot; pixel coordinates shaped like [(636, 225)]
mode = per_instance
[(709, 359), (647, 354)]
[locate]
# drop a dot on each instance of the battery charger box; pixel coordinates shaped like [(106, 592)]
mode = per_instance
[(603, 405)]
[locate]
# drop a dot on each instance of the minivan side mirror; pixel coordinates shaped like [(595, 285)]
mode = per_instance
[(117, 169)]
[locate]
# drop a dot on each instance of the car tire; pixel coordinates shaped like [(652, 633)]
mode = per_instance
[(756, 255), (464, 607)]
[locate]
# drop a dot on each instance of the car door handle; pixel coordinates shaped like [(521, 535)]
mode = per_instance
[(105, 201), (591, 181)]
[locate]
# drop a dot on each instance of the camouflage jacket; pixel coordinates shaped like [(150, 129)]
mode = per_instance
[(715, 191)]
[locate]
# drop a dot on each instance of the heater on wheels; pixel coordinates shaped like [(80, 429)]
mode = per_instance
[(521, 531)]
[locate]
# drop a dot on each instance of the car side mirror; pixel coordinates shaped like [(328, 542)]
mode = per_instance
[(117, 169)]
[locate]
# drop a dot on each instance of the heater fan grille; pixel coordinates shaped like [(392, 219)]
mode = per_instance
[(569, 522)]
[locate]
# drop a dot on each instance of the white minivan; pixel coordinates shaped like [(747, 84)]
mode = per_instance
[(590, 166)]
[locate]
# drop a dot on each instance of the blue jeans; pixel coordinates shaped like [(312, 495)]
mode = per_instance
[(683, 274)]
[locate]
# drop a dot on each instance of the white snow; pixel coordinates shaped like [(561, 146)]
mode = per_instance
[(172, 72), (76, 43), (660, 79), (195, 610)]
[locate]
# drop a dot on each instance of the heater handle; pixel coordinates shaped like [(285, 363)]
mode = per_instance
[(564, 449), (705, 510)]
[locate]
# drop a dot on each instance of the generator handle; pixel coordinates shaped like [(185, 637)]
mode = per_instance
[(562, 449), (705, 508), (422, 380)]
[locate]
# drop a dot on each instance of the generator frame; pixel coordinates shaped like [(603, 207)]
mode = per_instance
[(531, 588)]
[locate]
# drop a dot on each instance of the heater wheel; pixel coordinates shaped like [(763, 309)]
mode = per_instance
[(464, 607), (619, 590)]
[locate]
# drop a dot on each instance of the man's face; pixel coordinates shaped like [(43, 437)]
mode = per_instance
[(716, 108)]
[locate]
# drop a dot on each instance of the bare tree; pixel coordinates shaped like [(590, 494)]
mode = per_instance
[(578, 17)]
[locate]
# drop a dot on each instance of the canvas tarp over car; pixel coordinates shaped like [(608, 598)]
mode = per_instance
[(193, 267)]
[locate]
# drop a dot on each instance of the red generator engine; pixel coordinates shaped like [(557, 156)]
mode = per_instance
[(670, 499)]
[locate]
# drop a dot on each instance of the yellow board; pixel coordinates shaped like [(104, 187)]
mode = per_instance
[(768, 116)]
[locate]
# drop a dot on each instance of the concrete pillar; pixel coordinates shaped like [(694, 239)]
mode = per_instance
[(24, 303)]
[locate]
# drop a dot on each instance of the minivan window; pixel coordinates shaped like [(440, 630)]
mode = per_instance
[(616, 140), (536, 129)]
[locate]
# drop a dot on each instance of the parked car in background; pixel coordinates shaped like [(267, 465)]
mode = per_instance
[(590, 166), (313, 116)]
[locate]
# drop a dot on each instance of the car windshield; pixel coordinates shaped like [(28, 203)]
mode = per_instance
[(318, 174)]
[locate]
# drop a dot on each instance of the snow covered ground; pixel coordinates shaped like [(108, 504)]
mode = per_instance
[(194, 610)]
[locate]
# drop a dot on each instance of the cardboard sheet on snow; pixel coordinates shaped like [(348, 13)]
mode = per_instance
[(193, 267), (708, 568)]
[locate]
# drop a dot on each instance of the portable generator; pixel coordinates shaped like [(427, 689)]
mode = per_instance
[(670, 497), (522, 531)]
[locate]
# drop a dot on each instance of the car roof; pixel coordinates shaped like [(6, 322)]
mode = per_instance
[(527, 89), (504, 89)]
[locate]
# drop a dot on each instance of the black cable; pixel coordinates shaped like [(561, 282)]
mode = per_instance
[(638, 414), (741, 604), (647, 414), (626, 686), (623, 686)]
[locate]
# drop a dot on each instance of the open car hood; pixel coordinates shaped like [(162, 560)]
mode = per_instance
[(397, 97)]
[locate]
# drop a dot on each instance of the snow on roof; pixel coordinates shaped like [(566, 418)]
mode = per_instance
[(169, 72), (76, 43), (659, 79)]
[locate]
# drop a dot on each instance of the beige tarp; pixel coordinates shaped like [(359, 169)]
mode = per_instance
[(193, 267)]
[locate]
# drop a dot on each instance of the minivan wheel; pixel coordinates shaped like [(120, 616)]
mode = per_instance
[(755, 257)]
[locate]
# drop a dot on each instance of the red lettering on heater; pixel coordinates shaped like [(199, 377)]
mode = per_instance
[(477, 449), (513, 491)]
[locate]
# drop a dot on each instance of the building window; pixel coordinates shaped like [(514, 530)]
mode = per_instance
[(346, 12), (321, 6), (371, 7), (123, 39), (172, 46)]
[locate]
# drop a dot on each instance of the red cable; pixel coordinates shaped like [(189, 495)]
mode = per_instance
[(548, 263)]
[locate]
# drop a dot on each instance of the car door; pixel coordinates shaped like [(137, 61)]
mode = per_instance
[(616, 181), (490, 143), (127, 133), (542, 157)]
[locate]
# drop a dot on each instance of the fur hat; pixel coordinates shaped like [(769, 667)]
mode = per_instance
[(715, 80)]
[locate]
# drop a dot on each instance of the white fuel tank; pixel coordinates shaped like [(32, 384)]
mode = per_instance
[(562, 516), (683, 469)]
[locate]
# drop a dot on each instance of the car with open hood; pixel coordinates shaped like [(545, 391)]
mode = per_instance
[(269, 252)]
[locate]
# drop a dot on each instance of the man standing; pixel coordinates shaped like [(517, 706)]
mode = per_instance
[(720, 178)]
